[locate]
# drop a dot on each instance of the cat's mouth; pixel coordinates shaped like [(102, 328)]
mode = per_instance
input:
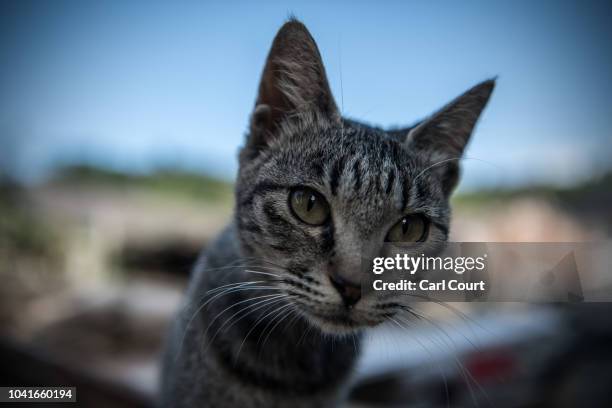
[(342, 320)]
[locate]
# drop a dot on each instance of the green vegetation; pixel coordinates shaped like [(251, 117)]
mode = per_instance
[(21, 230), (596, 189), (169, 182)]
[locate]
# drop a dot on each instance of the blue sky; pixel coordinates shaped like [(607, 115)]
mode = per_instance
[(135, 85)]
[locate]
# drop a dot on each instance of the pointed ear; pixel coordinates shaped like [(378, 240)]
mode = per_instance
[(293, 81), (443, 136)]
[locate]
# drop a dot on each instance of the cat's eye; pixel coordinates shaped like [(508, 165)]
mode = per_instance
[(411, 228), (308, 206)]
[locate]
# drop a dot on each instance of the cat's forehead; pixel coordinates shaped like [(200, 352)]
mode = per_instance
[(355, 165), (369, 151)]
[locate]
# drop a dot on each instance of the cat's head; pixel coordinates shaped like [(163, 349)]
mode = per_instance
[(316, 191)]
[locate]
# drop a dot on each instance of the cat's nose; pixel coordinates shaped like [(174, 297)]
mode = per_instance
[(349, 291)]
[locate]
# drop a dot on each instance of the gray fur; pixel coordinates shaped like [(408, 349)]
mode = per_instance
[(295, 342)]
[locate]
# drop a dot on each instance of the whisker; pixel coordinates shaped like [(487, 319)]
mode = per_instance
[(260, 305), (236, 304), (293, 321), (438, 366), (464, 371), (287, 314), (456, 312), (202, 306), (253, 328), (262, 273), (305, 334), (454, 159)]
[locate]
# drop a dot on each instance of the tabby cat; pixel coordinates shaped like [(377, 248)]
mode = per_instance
[(275, 309)]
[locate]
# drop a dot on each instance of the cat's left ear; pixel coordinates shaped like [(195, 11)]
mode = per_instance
[(443, 136)]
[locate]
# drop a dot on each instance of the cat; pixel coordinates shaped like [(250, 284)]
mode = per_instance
[(274, 310)]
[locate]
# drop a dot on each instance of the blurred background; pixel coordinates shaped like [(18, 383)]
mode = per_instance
[(119, 129)]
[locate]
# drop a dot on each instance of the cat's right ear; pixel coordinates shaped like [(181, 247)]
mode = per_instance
[(293, 82)]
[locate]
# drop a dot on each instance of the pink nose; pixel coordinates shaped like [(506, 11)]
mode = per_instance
[(349, 291)]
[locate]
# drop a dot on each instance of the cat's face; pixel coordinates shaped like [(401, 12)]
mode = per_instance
[(317, 194)]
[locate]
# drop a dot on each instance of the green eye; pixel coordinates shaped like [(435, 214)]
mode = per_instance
[(411, 228), (308, 206)]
